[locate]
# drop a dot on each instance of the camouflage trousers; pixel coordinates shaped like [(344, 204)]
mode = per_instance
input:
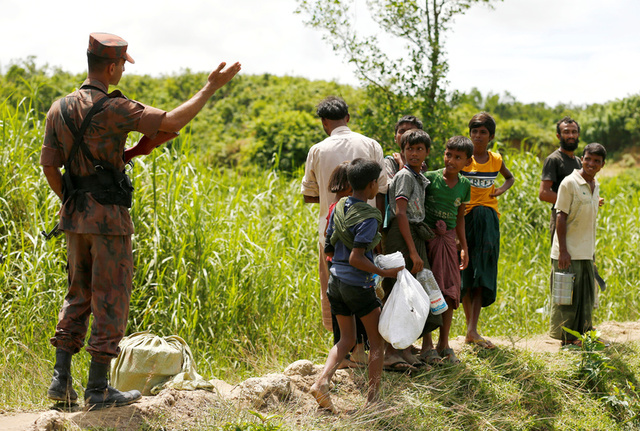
[(100, 270)]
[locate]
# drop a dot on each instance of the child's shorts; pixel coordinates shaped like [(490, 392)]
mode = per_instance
[(347, 300)]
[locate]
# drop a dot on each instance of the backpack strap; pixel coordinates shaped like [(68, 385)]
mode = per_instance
[(78, 135)]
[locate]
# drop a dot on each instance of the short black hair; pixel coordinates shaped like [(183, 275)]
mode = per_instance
[(361, 172), (483, 119), (567, 120), (413, 137), (338, 181), (595, 149), (332, 108), (99, 64), (461, 143), (412, 119)]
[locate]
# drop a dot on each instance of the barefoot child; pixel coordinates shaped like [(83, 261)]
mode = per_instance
[(351, 236), (339, 185), (479, 280), (445, 200)]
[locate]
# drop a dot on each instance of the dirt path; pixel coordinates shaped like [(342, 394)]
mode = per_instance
[(184, 407), (611, 331)]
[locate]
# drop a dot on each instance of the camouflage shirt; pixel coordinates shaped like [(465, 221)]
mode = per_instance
[(105, 137)]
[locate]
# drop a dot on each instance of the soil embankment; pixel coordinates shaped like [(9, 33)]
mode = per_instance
[(181, 408)]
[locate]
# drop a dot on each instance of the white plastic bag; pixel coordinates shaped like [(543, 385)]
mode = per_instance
[(405, 312), (387, 261)]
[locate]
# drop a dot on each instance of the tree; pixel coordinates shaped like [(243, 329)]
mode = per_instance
[(615, 124), (412, 82)]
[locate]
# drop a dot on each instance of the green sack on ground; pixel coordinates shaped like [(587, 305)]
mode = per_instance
[(150, 363)]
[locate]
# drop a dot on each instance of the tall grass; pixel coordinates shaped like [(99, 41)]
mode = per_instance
[(223, 260), (228, 261)]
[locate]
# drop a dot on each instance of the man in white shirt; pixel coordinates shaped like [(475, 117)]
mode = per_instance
[(341, 145), (574, 243)]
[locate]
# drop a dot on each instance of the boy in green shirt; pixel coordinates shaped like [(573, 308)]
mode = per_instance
[(445, 200)]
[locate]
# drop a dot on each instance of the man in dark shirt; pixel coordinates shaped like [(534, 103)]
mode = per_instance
[(559, 164)]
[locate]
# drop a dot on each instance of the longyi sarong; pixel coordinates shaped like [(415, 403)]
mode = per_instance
[(443, 257), (483, 241), (578, 315)]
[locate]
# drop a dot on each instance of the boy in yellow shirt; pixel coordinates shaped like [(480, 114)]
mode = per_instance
[(479, 279)]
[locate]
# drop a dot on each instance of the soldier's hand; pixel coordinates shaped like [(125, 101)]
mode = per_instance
[(222, 75)]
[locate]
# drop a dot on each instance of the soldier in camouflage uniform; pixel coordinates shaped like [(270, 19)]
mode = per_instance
[(97, 224)]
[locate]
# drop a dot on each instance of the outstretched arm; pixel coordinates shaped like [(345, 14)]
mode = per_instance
[(180, 116)]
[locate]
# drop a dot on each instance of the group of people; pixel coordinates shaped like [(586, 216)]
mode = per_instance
[(445, 220)]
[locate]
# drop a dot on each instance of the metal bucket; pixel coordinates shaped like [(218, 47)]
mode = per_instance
[(563, 288)]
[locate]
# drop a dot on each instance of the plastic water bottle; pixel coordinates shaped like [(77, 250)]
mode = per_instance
[(428, 282)]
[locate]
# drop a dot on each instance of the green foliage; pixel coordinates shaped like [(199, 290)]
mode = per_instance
[(40, 86), (410, 81), (616, 124), (213, 256), (262, 120), (624, 404), (596, 372), (290, 132), (270, 121), (593, 366)]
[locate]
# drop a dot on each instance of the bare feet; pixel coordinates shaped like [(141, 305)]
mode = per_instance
[(348, 363), (321, 394), (359, 355), (410, 358), (480, 342)]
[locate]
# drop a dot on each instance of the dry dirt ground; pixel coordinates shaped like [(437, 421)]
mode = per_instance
[(186, 409)]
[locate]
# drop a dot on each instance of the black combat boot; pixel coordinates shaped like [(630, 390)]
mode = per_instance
[(61, 388), (99, 394)]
